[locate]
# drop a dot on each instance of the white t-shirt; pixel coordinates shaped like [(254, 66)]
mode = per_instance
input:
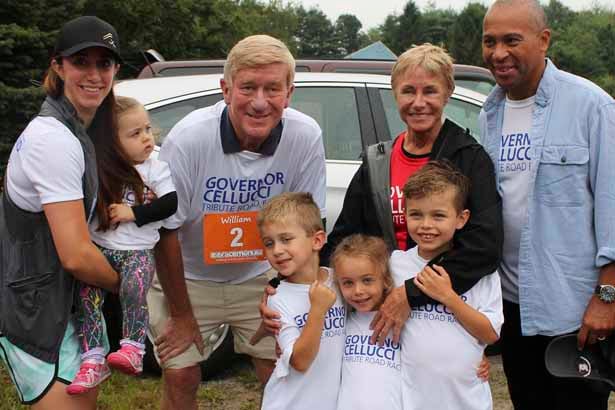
[(318, 387), (515, 166), (128, 236), (209, 181), (439, 357), (371, 374), (46, 166)]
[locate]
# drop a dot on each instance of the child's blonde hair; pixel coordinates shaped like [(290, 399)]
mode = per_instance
[(434, 178), (125, 104), (298, 206), (433, 59), (255, 51), (370, 247)]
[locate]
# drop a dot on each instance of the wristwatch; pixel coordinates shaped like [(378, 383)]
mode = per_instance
[(606, 293)]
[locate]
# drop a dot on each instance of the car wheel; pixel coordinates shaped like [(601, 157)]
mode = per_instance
[(223, 355)]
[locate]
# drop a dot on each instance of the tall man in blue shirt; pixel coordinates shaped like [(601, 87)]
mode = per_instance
[(551, 136)]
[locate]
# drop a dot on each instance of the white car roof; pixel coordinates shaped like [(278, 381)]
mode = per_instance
[(152, 90)]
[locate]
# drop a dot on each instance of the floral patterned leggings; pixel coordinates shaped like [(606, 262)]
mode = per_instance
[(136, 269)]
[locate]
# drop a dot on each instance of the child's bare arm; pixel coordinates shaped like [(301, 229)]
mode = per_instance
[(119, 213), (436, 283), (307, 345)]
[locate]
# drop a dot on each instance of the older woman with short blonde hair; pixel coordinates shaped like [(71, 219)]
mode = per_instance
[(433, 59), (422, 82)]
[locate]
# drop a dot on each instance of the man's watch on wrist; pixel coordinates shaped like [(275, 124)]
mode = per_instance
[(606, 293)]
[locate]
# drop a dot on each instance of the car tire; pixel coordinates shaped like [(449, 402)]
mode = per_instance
[(221, 358)]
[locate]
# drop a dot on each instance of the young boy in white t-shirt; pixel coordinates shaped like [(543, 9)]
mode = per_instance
[(307, 375), (443, 341)]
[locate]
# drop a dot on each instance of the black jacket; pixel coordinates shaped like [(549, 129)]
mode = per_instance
[(477, 246)]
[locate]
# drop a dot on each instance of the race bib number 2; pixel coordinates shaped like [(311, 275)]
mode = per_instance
[(231, 238)]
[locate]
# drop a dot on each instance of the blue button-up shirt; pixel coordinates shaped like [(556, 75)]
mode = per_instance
[(570, 230)]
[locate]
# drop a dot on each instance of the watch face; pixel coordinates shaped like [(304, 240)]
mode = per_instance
[(607, 293)]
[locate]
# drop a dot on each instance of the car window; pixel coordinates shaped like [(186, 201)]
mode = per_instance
[(395, 124), (483, 87), (335, 110), (166, 116), (463, 113)]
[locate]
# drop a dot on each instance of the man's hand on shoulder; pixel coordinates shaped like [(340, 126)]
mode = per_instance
[(392, 316), (179, 333), (271, 319)]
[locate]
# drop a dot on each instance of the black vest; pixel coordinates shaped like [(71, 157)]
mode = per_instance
[(36, 293)]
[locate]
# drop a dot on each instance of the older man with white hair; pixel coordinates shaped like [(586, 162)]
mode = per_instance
[(227, 161)]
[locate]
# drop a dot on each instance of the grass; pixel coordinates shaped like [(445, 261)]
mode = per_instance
[(237, 389)]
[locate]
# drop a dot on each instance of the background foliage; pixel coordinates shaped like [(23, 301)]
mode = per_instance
[(582, 42)]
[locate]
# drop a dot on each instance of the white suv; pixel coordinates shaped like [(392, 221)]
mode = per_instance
[(353, 111)]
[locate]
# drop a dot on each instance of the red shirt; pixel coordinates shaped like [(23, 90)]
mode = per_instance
[(403, 164)]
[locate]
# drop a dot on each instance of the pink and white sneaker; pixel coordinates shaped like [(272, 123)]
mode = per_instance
[(89, 376), (128, 360)]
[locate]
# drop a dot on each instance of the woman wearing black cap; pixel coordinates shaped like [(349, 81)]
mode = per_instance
[(50, 194)]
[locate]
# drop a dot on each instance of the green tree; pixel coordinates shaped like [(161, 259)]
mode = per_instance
[(46, 15), (578, 48), (348, 34), (176, 28), (315, 34), (465, 41), (606, 52), (607, 83), (374, 34), (282, 21), (411, 27), (558, 15), (401, 32), (28, 29), (436, 25), (389, 32), (234, 20)]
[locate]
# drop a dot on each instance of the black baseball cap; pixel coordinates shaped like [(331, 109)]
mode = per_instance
[(84, 32), (595, 362)]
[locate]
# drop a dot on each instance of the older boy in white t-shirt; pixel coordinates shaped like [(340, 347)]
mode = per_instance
[(443, 341), (307, 375)]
